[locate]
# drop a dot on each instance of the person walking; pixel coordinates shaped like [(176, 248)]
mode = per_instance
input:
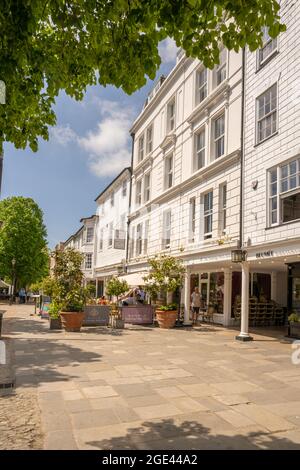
[(196, 303), (22, 295)]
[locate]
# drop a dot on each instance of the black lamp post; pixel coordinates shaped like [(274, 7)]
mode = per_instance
[(13, 264)]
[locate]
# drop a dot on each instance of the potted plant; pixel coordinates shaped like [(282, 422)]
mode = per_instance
[(68, 292), (166, 276), (54, 317), (294, 325), (114, 288)]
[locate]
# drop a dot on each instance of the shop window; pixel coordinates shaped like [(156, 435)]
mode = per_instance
[(216, 291)]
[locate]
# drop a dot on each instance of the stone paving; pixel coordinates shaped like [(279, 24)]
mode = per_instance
[(147, 388)]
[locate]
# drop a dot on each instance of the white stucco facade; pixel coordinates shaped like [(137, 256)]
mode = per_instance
[(174, 215), (111, 230)]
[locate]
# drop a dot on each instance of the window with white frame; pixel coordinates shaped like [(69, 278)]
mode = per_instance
[(199, 153), (124, 188), (166, 229), (266, 114), (201, 85), (208, 214), (149, 139), (171, 115), (269, 47), (110, 234), (138, 193), (222, 208), (219, 72), (139, 239), (89, 234), (88, 261), (112, 199), (146, 234), (192, 219), (141, 148), (101, 239), (284, 192), (147, 187), (218, 131), (169, 171)]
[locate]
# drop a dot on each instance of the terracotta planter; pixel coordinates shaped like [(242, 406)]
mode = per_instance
[(166, 318), (55, 323), (72, 321)]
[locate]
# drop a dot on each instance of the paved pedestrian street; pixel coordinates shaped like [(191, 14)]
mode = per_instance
[(147, 388)]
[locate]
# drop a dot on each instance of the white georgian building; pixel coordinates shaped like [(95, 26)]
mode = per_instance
[(185, 195), (111, 231), (271, 192), (84, 241)]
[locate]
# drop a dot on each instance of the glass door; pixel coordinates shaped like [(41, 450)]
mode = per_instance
[(296, 294)]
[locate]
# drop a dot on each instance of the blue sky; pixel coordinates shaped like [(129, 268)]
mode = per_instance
[(87, 148)]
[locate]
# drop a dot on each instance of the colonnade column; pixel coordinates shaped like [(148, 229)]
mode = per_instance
[(274, 285), (187, 297), (244, 333), (227, 296)]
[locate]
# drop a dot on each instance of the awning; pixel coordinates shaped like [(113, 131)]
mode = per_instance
[(4, 285), (134, 279)]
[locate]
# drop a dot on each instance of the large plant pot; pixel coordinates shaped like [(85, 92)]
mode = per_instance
[(294, 329), (166, 318), (72, 321), (55, 323)]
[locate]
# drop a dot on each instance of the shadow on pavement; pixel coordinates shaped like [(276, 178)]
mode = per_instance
[(190, 435)]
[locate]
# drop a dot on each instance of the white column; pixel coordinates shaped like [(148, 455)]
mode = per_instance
[(244, 334), (227, 296), (274, 285), (187, 297)]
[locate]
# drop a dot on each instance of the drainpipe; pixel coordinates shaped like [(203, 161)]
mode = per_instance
[(244, 333), (242, 154), (129, 204)]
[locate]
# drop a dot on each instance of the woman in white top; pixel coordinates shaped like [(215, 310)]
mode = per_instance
[(196, 303)]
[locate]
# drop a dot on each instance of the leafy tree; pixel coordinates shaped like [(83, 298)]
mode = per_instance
[(166, 275), (116, 287), (66, 286), (23, 239), (53, 45)]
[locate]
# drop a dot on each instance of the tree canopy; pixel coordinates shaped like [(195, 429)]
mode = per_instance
[(51, 45), (23, 239)]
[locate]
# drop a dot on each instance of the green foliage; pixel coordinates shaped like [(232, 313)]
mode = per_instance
[(167, 308), (166, 275), (23, 238), (54, 309), (67, 291), (36, 287), (116, 287), (54, 45), (294, 317)]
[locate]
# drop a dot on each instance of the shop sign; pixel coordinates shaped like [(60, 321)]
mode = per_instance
[(264, 254), (138, 314), (96, 315)]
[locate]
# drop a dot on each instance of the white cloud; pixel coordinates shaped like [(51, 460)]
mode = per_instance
[(109, 145), (63, 134), (168, 50)]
